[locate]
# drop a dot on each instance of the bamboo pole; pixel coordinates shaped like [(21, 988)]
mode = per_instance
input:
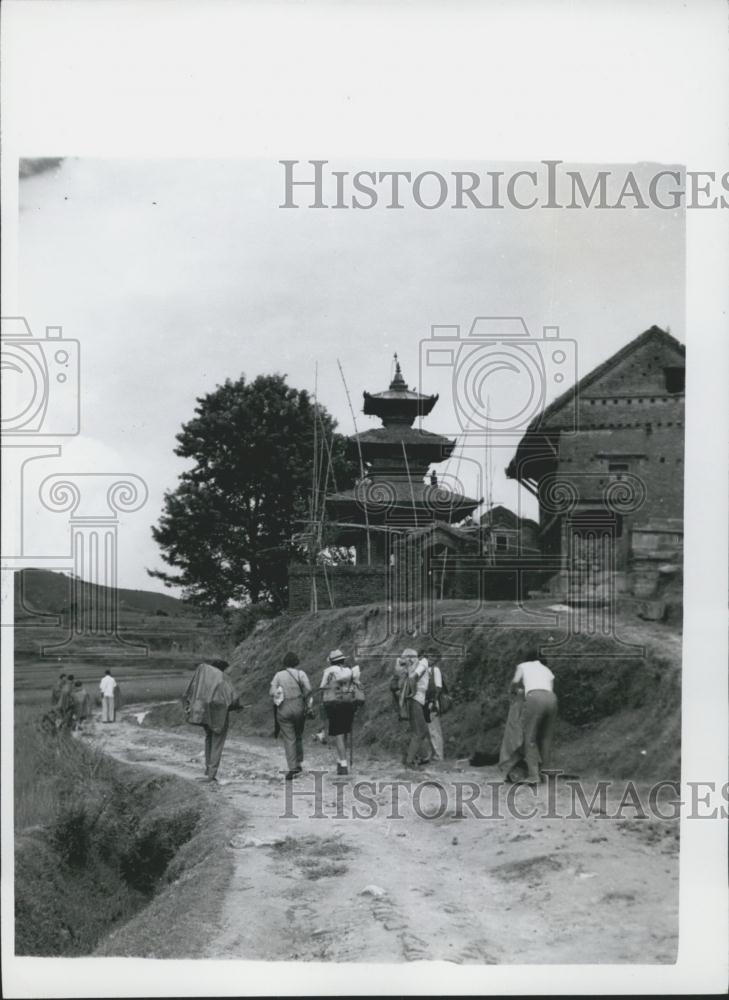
[(412, 491), (314, 497), (361, 461)]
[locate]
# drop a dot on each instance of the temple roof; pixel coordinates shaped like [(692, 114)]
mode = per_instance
[(382, 496), (403, 433), (398, 404)]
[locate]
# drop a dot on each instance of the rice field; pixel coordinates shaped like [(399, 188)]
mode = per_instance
[(139, 681)]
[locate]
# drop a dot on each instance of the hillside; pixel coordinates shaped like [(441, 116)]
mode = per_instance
[(43, 591), (619, 714), (49, 609)]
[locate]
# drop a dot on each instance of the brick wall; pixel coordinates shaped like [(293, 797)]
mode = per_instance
[(349, 585), (654, 456)]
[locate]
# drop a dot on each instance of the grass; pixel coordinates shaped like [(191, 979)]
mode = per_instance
[(48, 772), (330, 847), (97, 842), (316, 857)]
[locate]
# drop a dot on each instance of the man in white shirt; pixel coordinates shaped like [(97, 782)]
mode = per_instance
[(107, 686), (540, 712)]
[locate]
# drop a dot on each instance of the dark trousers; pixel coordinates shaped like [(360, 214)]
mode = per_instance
[(540, 715), (291, 719), (214, 743), (419, 745)]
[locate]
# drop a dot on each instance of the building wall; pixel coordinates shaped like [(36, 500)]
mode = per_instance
[(356, 585), (349, 585), (515, 540), (628, 417), (655, 458)]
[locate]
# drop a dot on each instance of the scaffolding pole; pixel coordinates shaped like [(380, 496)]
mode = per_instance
[(361, 461)]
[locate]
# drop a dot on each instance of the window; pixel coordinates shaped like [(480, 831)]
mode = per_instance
[(675, 379), (502, 543)]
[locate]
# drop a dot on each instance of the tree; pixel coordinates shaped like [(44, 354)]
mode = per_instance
[(227, 527)]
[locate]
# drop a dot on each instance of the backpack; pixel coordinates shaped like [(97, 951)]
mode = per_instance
[(445, 701), (438, 698), (346, 690), (431, 692)]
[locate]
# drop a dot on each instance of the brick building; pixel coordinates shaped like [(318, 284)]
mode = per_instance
[(605, 461)]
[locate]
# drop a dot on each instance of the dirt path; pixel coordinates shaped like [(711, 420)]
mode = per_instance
[(456, 887)]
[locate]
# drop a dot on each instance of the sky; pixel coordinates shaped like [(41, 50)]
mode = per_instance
[(177, 274)]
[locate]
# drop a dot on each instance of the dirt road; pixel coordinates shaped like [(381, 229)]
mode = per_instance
[(455, 887)]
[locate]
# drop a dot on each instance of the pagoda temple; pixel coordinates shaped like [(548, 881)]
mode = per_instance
[(395, 495)]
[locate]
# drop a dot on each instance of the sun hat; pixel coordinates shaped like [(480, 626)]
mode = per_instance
[(336, 656), (407, 653)]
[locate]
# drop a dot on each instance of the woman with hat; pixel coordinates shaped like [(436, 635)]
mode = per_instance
[(291, 694), (339, 704)]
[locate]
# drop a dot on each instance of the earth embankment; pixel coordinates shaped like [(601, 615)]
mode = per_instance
[(619, 693), (122, 842)]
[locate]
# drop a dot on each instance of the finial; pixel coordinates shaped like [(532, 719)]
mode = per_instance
[(398, 381)]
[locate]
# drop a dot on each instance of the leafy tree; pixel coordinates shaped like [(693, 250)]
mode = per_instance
[(228, 526)]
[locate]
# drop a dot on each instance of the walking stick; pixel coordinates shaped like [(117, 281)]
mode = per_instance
[(351, 750)]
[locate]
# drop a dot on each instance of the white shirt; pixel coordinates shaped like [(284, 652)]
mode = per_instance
[(107, 686), (534, 676)]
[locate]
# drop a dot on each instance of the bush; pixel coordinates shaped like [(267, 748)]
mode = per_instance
[(243, 620)]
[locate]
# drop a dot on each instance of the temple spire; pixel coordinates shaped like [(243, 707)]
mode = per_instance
[(398, 404), (398, 381)]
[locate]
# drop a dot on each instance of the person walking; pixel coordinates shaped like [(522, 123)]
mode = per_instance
[(291, 693), (81, 705), (413, 696), (107, 686), (540, 713), (65, 703), (339, 684), (208, 701)]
